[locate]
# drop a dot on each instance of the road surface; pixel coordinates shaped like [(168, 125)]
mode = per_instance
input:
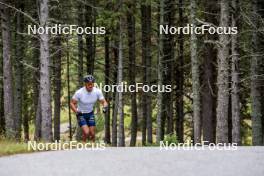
[(145, 161)]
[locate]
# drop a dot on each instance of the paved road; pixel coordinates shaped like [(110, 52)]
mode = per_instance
[(246, 161)]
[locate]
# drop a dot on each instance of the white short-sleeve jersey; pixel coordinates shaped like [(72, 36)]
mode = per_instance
[(86, 100)]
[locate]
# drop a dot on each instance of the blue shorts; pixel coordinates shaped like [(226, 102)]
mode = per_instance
[(86, 119)]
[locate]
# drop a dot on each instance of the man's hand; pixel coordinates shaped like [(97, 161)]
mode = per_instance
[(104, 104), (78, 113), (105, 108), (73, 105)]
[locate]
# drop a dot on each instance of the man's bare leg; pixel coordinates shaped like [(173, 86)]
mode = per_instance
[(92, 133), (85, 131)]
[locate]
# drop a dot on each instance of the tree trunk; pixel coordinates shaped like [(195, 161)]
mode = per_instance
[(144, 97), (236, 117), (80, 46), (209, 78), (44, 93), (257, 127), (230, 110), (261, 39), (2, 115), (120, 110), (223, 77), (57, 57), (80, 61), (169, 63), (26, 116), (107, 138), (132, 70), (179, 80), (148, 74), (160, 117), (7, 73), (37, 135), (36, 78), (115, 96), (195, 79), (89, 38), (19, 70), (68, 88), (146, 62), (57, 87), (94, 13)]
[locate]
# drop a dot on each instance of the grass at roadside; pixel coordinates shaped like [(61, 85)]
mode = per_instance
[(8, 147)]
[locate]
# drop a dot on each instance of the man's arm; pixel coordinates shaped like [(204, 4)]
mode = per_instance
[(73, 105)]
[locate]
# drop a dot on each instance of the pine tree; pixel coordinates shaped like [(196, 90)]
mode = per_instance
[(223, 77), (44, 92)]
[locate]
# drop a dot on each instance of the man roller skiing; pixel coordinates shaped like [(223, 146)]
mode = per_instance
[(82, 104)]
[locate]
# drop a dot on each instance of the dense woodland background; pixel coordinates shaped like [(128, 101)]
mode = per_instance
[(218, 80)]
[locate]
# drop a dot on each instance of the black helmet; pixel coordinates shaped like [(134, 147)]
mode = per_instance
[(88, 78)]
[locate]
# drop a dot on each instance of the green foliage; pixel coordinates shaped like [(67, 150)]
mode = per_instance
[(170, 138), (246, 132), (100, 122)]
